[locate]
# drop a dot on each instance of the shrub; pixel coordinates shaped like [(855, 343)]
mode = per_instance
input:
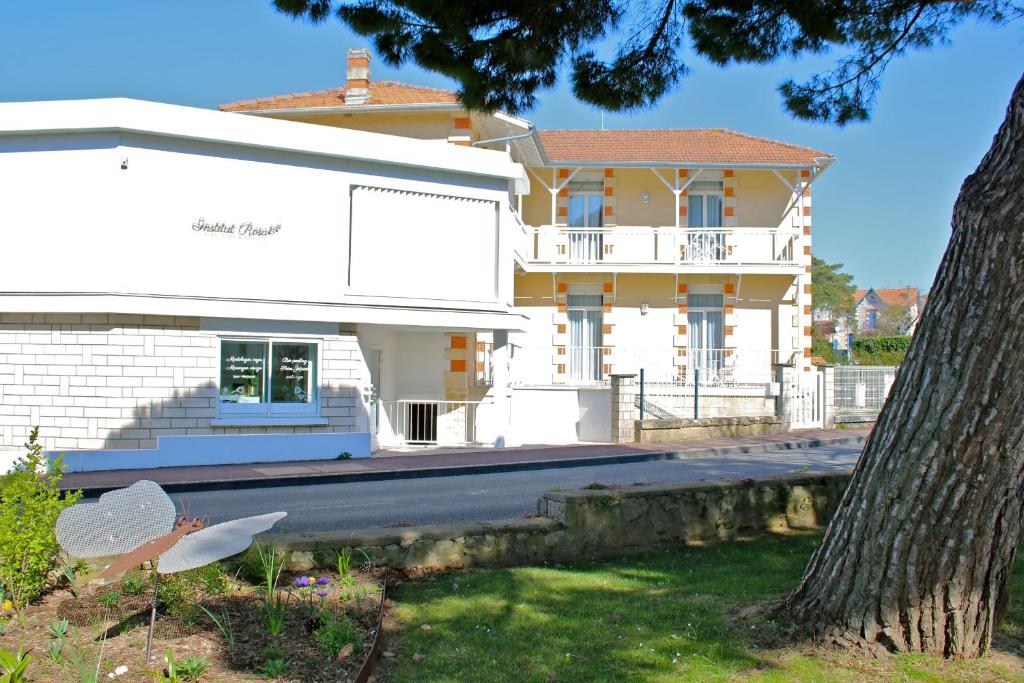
[(29, 506), (183, 592), (870, 346), (335, 633)]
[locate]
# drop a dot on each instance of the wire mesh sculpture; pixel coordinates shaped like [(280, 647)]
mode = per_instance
[(139, 524)]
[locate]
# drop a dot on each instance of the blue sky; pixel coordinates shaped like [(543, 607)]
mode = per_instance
[(883, 209)]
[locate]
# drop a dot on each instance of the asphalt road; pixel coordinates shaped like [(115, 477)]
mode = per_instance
[(481, 497)]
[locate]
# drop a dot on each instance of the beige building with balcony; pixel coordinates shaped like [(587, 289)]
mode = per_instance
[(685, 253)]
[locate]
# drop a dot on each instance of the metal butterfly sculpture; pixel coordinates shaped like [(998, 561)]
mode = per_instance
[(139, 524)]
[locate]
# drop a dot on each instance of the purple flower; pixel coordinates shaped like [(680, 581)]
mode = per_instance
[(323, 581), (322, 594), (302, 582)]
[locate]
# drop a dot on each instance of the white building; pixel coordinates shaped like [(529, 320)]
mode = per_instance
[(187, 286)]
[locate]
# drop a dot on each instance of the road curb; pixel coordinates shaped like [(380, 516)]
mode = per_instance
[(456, 470)]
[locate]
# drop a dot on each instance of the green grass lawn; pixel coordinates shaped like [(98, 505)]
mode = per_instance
[(655, 617)]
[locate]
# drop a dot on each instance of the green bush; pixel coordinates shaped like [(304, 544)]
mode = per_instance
[(870, 346), (29, 506), (821, 347), (182, 593), (335, 633)]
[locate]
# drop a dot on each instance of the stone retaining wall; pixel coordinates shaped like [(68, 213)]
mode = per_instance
[(580, 524), (659, 431)]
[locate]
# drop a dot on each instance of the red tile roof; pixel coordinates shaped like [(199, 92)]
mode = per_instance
[(904, 296), (681, 145), (860, 294), (381, 93)]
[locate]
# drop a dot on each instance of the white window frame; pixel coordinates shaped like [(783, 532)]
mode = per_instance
[(704, 194), (270, 410), (709, 359)]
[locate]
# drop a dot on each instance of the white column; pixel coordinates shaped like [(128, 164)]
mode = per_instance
[(501, 388)]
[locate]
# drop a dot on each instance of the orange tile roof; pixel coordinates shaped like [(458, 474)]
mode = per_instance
[(904, 296), (860, 294), (381, 93), (680, 145)]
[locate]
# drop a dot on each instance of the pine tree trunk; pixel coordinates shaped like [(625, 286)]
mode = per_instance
[(918, 554)]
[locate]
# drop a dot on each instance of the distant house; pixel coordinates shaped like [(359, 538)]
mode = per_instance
[(871, 305)]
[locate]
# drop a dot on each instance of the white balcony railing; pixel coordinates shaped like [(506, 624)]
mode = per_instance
[(432, 422), (670, 246)]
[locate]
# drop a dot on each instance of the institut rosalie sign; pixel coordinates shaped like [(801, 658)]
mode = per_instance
[(245, 230)]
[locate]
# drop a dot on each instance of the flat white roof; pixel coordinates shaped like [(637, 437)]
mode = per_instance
[(169, 120)]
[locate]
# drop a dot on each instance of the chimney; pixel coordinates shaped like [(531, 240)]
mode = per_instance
[(357, 87)]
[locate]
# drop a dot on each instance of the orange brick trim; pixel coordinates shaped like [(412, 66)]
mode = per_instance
[(808, 270), (807, 310), (606, 329), (609, 192), (480, 366), (728, 173), (461, 143), (563, 211), (807, 353), (681, 352), (807, 211), (563, 173), (807, 289), (607, 287), (560, 350), (356, 62), (682, 308), (607, 369), (458, 365), (807, 250), (682, 210), (463, 122), (729, 288), (808, 330), (681, 329), (682, 172), (728, 330), (563, 287), (729, 191), (564, 192), (458, 342), (730, 211), (608, 308), (681, 289), (560, 368), (609, 173), (805, 174), (729, 308), (562, 308), (609, 210), (560, 328)]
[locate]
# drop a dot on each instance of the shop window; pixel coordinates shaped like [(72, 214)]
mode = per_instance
[(268, 377)]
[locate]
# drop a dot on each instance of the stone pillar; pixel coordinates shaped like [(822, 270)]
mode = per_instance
[(624, 410), (828, 386), (501, 388), (785, 376)]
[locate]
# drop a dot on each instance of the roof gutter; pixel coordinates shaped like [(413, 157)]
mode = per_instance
[(352, 109)]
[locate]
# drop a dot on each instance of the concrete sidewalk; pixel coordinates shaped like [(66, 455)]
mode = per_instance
[(446, 462)]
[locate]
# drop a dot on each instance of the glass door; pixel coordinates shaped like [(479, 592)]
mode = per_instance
[(586, 337), (704, 209), (705, 331), (586, 218)]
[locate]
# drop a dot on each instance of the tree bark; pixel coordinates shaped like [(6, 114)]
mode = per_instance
[(917, 557)]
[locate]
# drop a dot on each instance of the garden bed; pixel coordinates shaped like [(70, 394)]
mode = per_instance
[(322, 627)]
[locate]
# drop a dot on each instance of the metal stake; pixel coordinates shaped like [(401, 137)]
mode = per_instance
[(152, 615)]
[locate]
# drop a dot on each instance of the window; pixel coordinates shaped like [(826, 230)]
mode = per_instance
[(704, 204), (586, 212), (705, 331), (586, 336), (268, 377)]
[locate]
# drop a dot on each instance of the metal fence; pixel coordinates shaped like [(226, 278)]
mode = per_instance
[(428, 422), (862, 389), (703, 394)]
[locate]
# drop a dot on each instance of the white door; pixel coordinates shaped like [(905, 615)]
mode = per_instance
[(704, 209), (705, 330)]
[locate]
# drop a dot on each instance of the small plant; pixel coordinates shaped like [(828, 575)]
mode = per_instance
[(192, 668), (223, 625), (58, 630), (312, 593), (170, 674), (273, 615), (183, 593), (133, 583), (110, 599), (12, 666), (70, 572), (55, 649), (335, 633), (273, 652), (274, 668), (29, 507), (344, 455)]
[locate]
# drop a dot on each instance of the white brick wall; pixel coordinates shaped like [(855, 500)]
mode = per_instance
[(119, 381)]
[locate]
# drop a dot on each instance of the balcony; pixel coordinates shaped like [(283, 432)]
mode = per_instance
[(660, 249)]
